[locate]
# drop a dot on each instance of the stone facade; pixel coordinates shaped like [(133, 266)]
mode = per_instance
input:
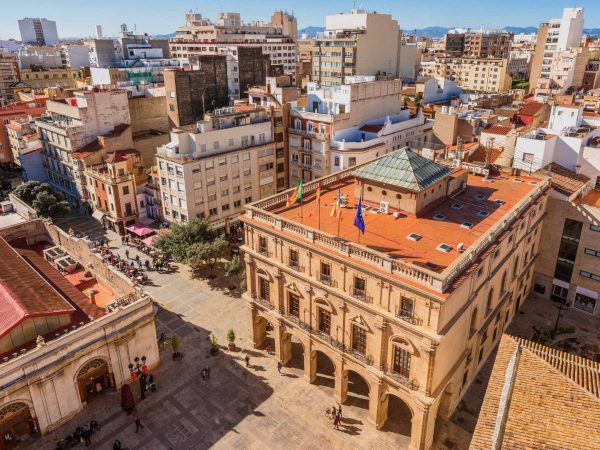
[(416, 344)]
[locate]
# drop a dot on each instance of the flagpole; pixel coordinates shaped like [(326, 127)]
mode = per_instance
[(362, 190)]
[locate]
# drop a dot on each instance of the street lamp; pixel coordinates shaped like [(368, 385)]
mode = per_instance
[(139, 370)]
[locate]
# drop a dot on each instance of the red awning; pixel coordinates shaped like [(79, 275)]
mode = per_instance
[(139, 229)]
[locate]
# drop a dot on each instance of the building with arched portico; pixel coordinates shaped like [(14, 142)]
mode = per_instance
[(58, 350), (398, 319)]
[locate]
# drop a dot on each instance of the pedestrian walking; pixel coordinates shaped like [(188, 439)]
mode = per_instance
[(138, 424), (87, 437), (336, 421), (247, 359), (137, 258), (279, 366), (339, 410), (207, 373), (117, 445), (127, 253), (203, 375)]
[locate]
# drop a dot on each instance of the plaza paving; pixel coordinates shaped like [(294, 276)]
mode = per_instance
[(248, 408), (241, 408)]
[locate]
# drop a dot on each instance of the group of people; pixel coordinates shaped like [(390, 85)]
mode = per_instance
[(336, 416), (124, 265), (82, 434)]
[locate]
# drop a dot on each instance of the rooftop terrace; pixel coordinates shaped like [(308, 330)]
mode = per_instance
[(406, 245)]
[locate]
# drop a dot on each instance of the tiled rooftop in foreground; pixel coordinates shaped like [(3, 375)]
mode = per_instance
[(437, 241)]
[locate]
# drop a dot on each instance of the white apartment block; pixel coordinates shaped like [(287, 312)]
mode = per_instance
[(38, 31), (200, 36), (213, 170), (570, 139)]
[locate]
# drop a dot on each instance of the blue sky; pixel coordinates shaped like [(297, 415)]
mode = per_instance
[(78, 18)]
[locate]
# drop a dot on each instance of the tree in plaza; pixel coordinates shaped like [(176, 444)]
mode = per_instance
[(127, 401), (43, 198), (206, 254), (182, 237), (236, 268), (5, 181)]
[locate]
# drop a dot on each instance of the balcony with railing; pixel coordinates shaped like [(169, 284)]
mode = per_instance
[(262, 301), (327, 280)]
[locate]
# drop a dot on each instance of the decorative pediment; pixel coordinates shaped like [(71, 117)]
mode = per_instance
[(294, 289), (360, 321), (325, 304)]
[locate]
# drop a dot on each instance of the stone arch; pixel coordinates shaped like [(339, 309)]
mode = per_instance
[(17, 420), (325, 367), (405, 343), (358, 387), (293, 349), (445, 408), (93, 377), (263, 332), (398, 414)]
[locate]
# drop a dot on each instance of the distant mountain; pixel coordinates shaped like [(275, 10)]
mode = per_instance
[(521, 30), (592, 31), (164, 36)]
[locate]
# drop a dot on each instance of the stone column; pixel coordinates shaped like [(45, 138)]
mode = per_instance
[(279, 301), (422, 426), (284, 349), (250, 275), (259, 333), (377, 404), (341, 380), (428, 352), (310, 363), (378, 350)]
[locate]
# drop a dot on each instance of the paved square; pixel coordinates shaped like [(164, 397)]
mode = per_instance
[(239, 407)]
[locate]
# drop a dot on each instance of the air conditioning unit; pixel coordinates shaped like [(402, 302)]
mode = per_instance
[(460, 247), (384, 207)]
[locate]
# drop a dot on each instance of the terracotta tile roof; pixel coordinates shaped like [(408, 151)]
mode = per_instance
[(530, 109), (497, 129), (479, 155), (25, 293), (389, 235), (539, 398), (562, 179), (371, 128)]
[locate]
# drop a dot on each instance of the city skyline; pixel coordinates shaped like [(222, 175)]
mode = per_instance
[(80, 23)]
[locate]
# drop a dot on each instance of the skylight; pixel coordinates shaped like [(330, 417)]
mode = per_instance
[(439, 217), (499, 202), (468, 225), (480, 197), (444, 248), (456, 206), (414, 237), (483, 213)]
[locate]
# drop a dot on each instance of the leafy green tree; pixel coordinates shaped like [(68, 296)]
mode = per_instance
[(50, 205), (43, 198), (206, 254), (182, 237), (235, 267), (5, 181)]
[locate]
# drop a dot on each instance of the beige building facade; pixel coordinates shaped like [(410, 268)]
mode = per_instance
[(214, 170), (471, 74), (409, 333)]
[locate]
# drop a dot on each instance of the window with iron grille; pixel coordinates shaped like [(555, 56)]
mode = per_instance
[(407, 307), (294, 305), (359, 287), (401, 361), (359, 340), (325, 273), (294, 258), (324, 321), (263, 291)]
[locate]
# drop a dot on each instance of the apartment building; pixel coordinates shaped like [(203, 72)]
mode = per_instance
[(15, 111), (315, 146), (407, 312), (471, 74), (113, 187), (567, 140), (39, 79), (38, 31), (276, 96), (214, 169), (192, 92), (351, 46), (82, 127), (201, 36), (480, 43), (9, 75), (554, 37)]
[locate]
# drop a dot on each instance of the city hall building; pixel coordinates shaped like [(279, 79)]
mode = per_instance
[(398, 319)]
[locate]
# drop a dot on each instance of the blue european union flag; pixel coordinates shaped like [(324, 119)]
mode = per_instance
[(359, 221)]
